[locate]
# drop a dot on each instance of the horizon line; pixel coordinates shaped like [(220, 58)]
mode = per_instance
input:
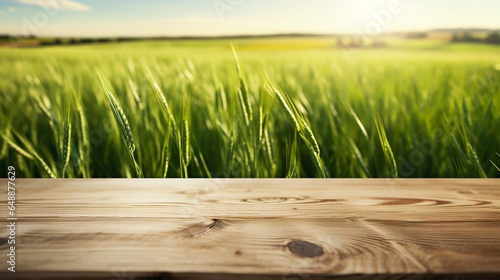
[(281, 34)]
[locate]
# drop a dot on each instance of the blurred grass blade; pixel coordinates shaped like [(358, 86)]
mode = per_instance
[(389, 156), (243, 92), (475, 160), (30, 154), (360, 159)]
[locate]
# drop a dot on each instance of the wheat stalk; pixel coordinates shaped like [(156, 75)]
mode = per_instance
[(66, 137), (301, 123), (121, 120)]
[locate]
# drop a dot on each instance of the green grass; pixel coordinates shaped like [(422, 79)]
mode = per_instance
[(283, 107)]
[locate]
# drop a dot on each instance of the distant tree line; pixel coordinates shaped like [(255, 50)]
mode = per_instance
[(61, 41), (491, 38), (78, 41), (358, 43), (416, 35)]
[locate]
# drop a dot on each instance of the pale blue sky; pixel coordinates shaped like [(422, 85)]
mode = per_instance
[(225, 17)]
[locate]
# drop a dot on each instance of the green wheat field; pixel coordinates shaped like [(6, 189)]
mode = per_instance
[(283, 107)]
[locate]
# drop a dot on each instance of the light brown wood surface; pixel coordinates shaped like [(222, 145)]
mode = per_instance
[(287, 228)]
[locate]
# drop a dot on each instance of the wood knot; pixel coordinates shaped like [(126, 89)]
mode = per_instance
[(215, 223), (305, 248), (200, 228), (3, 241)]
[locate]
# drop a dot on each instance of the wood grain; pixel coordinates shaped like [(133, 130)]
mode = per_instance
[(287, 229), (226, 276)]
